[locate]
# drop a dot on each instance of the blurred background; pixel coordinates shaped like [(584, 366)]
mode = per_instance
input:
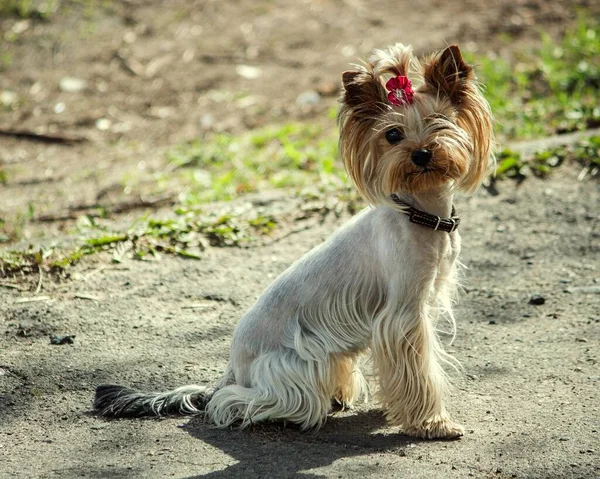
[(110, 108)]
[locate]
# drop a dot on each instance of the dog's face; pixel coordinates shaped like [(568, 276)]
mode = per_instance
[(437, 137)]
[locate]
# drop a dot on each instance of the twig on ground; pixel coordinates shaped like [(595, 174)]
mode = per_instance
[(197, 306), (130, 65), (33, 299), (87, 296), (39, 285), (123, 207), (42, 137), (92, 273)]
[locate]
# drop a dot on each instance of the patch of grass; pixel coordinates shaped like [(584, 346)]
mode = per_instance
[(226, 165), (541, 163), (6, 60), (12, 229), (13, 263), (587, 154), (42, 9), (185, 236), (45, 9), (512, 165), (553, 90)]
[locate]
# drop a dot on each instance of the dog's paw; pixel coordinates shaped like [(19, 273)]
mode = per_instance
[(436, 429), (338, 405)]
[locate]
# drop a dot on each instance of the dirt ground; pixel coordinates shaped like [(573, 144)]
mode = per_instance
[(164, 72), (528, 395)]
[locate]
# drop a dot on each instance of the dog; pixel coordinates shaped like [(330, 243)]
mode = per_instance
[(380, 284)]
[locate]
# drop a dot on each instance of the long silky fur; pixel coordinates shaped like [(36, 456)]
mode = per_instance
[(380, 285), (119, 401)]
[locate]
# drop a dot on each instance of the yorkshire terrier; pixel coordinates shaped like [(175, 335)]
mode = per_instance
[(381, 283)]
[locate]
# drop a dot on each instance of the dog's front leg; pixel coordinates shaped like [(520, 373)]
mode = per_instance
[(407, 353)]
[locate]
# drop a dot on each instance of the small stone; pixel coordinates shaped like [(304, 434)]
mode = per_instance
[(60, 340), (7, 98), (129, 37), (537, 299), (491, 321), (348, 51), (72, 84), (207, 121), (310, 97), (20, 27), (248, 72), (584, 289), (103, 124), (563, 439), (59, 108)]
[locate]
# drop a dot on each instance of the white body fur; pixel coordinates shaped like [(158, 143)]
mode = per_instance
[(296, 349), (378, 283)]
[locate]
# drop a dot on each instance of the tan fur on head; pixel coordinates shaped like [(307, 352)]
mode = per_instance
[(449, 117), (396, 60)]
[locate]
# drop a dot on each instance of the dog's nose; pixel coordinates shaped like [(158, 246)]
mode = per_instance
[(421, 157)]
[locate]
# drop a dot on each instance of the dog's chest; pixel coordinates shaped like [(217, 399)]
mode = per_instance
[(444, 259)]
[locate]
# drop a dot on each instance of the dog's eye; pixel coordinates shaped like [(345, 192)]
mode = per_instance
[(394, 136)]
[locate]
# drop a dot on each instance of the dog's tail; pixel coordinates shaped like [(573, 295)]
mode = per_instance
[(119, 401)]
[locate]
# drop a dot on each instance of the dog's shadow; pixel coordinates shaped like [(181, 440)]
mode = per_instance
[(276, 451)]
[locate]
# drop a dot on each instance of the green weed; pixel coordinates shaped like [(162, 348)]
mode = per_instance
[(552, 90), (46, 9), (29, 8), (587, 154), (225, 165), (541, 163), (6, 60), (185, 236)]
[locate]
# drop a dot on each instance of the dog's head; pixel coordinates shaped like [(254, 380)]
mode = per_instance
[(393, 139)]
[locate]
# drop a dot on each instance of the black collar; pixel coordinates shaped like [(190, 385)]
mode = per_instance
[(425, 219)]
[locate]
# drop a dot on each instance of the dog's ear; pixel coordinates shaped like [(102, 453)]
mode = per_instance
[(363, 101), (448, 73), (363, 93)]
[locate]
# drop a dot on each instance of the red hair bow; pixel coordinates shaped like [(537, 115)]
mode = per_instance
[(400, 90)]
